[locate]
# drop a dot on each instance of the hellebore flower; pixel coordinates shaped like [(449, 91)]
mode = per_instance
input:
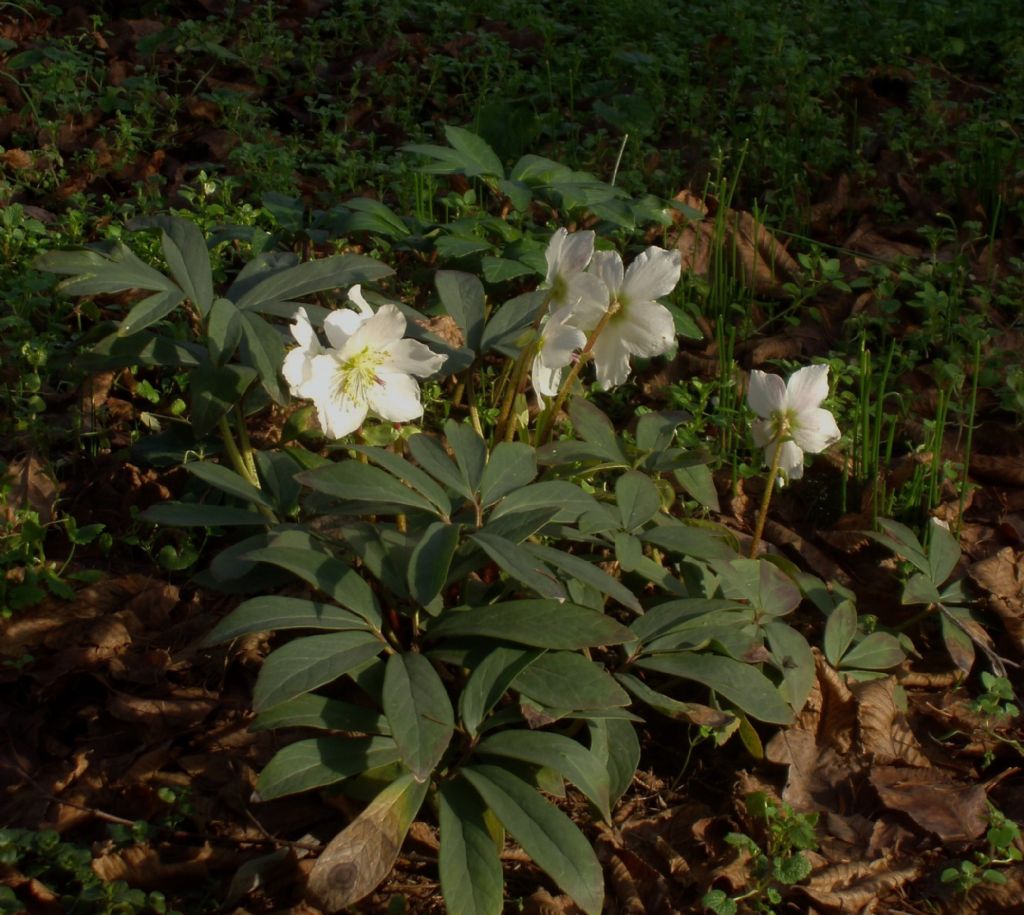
[(368, 367), (567, 257), (791, 417), (558, 342), (639, 325)]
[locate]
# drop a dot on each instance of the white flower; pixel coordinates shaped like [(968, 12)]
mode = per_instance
[(567, 256), (639, 325), (791, 414), (558, 342), (367, 368)]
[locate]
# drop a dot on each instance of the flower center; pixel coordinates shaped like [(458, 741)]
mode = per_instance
[(356, 375), (783, 424)]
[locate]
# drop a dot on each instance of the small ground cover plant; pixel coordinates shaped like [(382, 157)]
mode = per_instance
[(509, 403)]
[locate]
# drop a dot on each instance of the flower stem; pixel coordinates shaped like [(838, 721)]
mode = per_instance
[(548, 421), (766, 499), (506, 422), (247, 469), (246, 447)]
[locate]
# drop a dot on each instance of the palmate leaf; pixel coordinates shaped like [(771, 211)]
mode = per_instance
[(430, 561), (470, 452), (468, 861), (637, 498), (216, 390), (102, 269), (540, 623), (363, 854), (150, 310), (339, 271), (546, 834), (307, 663), (228, 481), (187, 256), (839, 631), (262, 348), (356, 482), (520, 564), (794, 658), (468, 155), (589, 573), (321, 761), (187, 514), (462, 295), (614, 742), (419, 712), (510, 466), (410, 474), (877, 651)]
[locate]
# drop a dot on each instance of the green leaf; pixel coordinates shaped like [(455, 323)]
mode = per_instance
[(277, 471), (511, 466), (430, 561), (943, 554), (357, 482), (793, 657), (566, 756), (408, 473), (572, 500), (150, 310), (919, 589), (563, 679), (312, 711), (475, 150), (839, 631), (508, 322), (366, 215), (227, 481), (770, 591), (699, 483), (546, 834), (958, 643), (701, 715), (468, 861), (517, 526), (186, 254), (520, 564), (590, 424), (614, 742), (341, 271), (878, 651), (656, 431), (419, 712), (432, 457), (187, 514), (462, 295), (488, 682), (268, 613), (332, 576), (263, 350), (364, 853), (900, 539), (214, 391), (307, 663), (223, 330), (693, 541), (589, 573), (503, 269), (470, 452), (92, 271), (322, 761), (541, 623), (744, 686), (637, 498)]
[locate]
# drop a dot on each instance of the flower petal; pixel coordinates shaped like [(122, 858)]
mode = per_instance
[(396, 398), (575, 252), (298, 371), (303, 331), (807, 388), (586, 292), (764, 432), (560, 339), (413, 358), (815, 430), (607, 265), (791, 461), (340, 325), (652, 274), (766, 394), (355, 294), (553, 254), (545, 379), (340, 417), (379, 331), (645, 328), (611, 361)]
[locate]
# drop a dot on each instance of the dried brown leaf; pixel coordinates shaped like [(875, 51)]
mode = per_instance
[(884, 732), (949, 810), (32, 489), (854, 887), (1002, 576)]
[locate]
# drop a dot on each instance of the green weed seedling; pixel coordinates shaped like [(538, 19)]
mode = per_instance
[(1002, 849), (776, 862)]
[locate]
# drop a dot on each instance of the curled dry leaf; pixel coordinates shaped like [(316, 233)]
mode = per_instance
[(884, 732), (953, 812), (1002, 576), (857, 887), (33, 489)]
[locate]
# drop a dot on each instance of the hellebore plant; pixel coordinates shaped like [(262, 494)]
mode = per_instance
[(791, 422)]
